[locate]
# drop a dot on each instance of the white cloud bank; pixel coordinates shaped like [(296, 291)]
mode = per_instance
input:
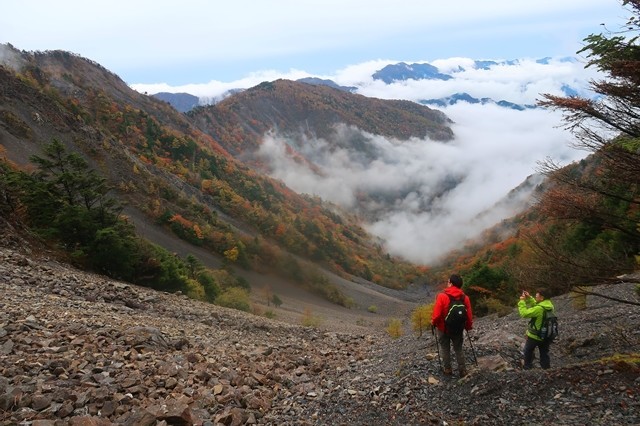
[(494, 151)]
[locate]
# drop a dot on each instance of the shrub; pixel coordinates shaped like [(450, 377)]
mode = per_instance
[(114, 252), (578, 299), (211, 289), (194, 290), (373, 309), (310, 320), (15, 125), (160, 269), (394, 328), (276, 301), (421, 318), (331, 292), (235, 298), (256, 310), (226, 280), (492, 305)]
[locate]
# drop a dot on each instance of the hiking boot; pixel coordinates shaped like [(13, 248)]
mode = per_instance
[(448, 372)]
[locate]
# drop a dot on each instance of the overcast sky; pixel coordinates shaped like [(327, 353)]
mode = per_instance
[(196, 41)]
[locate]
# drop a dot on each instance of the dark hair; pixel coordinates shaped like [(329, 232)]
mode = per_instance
[(456, 280), (543, 292)]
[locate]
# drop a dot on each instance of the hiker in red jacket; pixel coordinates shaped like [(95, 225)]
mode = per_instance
[(446, 336)]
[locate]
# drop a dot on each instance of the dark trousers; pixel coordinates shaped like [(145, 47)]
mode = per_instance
[(529, 353), (446, 341)]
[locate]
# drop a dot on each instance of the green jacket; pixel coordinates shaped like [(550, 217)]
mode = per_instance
[(528, 308)]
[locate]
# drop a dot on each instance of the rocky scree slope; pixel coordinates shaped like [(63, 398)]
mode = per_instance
[(76, 348)]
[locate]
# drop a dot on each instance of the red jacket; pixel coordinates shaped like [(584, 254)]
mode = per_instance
[(441, 307)]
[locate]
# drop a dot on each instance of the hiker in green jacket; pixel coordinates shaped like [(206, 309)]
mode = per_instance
[(534, 308)]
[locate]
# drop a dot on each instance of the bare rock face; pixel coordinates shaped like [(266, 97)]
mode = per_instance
[(78, 349)]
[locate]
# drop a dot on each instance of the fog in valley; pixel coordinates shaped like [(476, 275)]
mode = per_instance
[(436, 195)]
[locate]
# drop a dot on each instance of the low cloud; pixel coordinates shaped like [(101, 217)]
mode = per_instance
[(436, 194), (11, 58)]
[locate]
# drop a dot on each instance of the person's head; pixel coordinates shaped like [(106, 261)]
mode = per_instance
[(541, 294), (456, 280)]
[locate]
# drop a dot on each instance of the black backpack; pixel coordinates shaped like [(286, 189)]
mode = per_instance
[(456, 316), (549, 329)]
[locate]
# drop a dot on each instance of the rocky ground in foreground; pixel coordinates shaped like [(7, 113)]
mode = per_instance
[(79, 349)]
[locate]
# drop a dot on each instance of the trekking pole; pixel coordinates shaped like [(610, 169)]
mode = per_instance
[(473, 350), (435, 335)]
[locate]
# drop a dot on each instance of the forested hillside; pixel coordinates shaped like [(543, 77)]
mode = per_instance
[(298, 109), (70, 127)]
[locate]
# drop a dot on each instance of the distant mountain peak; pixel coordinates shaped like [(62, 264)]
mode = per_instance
[(183, 102), (465, 97), (325, 82), (403, 71)]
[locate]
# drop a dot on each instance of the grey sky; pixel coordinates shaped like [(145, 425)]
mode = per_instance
[(195, 41)]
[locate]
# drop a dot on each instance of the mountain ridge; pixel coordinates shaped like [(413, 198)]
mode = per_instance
[(465, 97), (288, 106), (183, 102)]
